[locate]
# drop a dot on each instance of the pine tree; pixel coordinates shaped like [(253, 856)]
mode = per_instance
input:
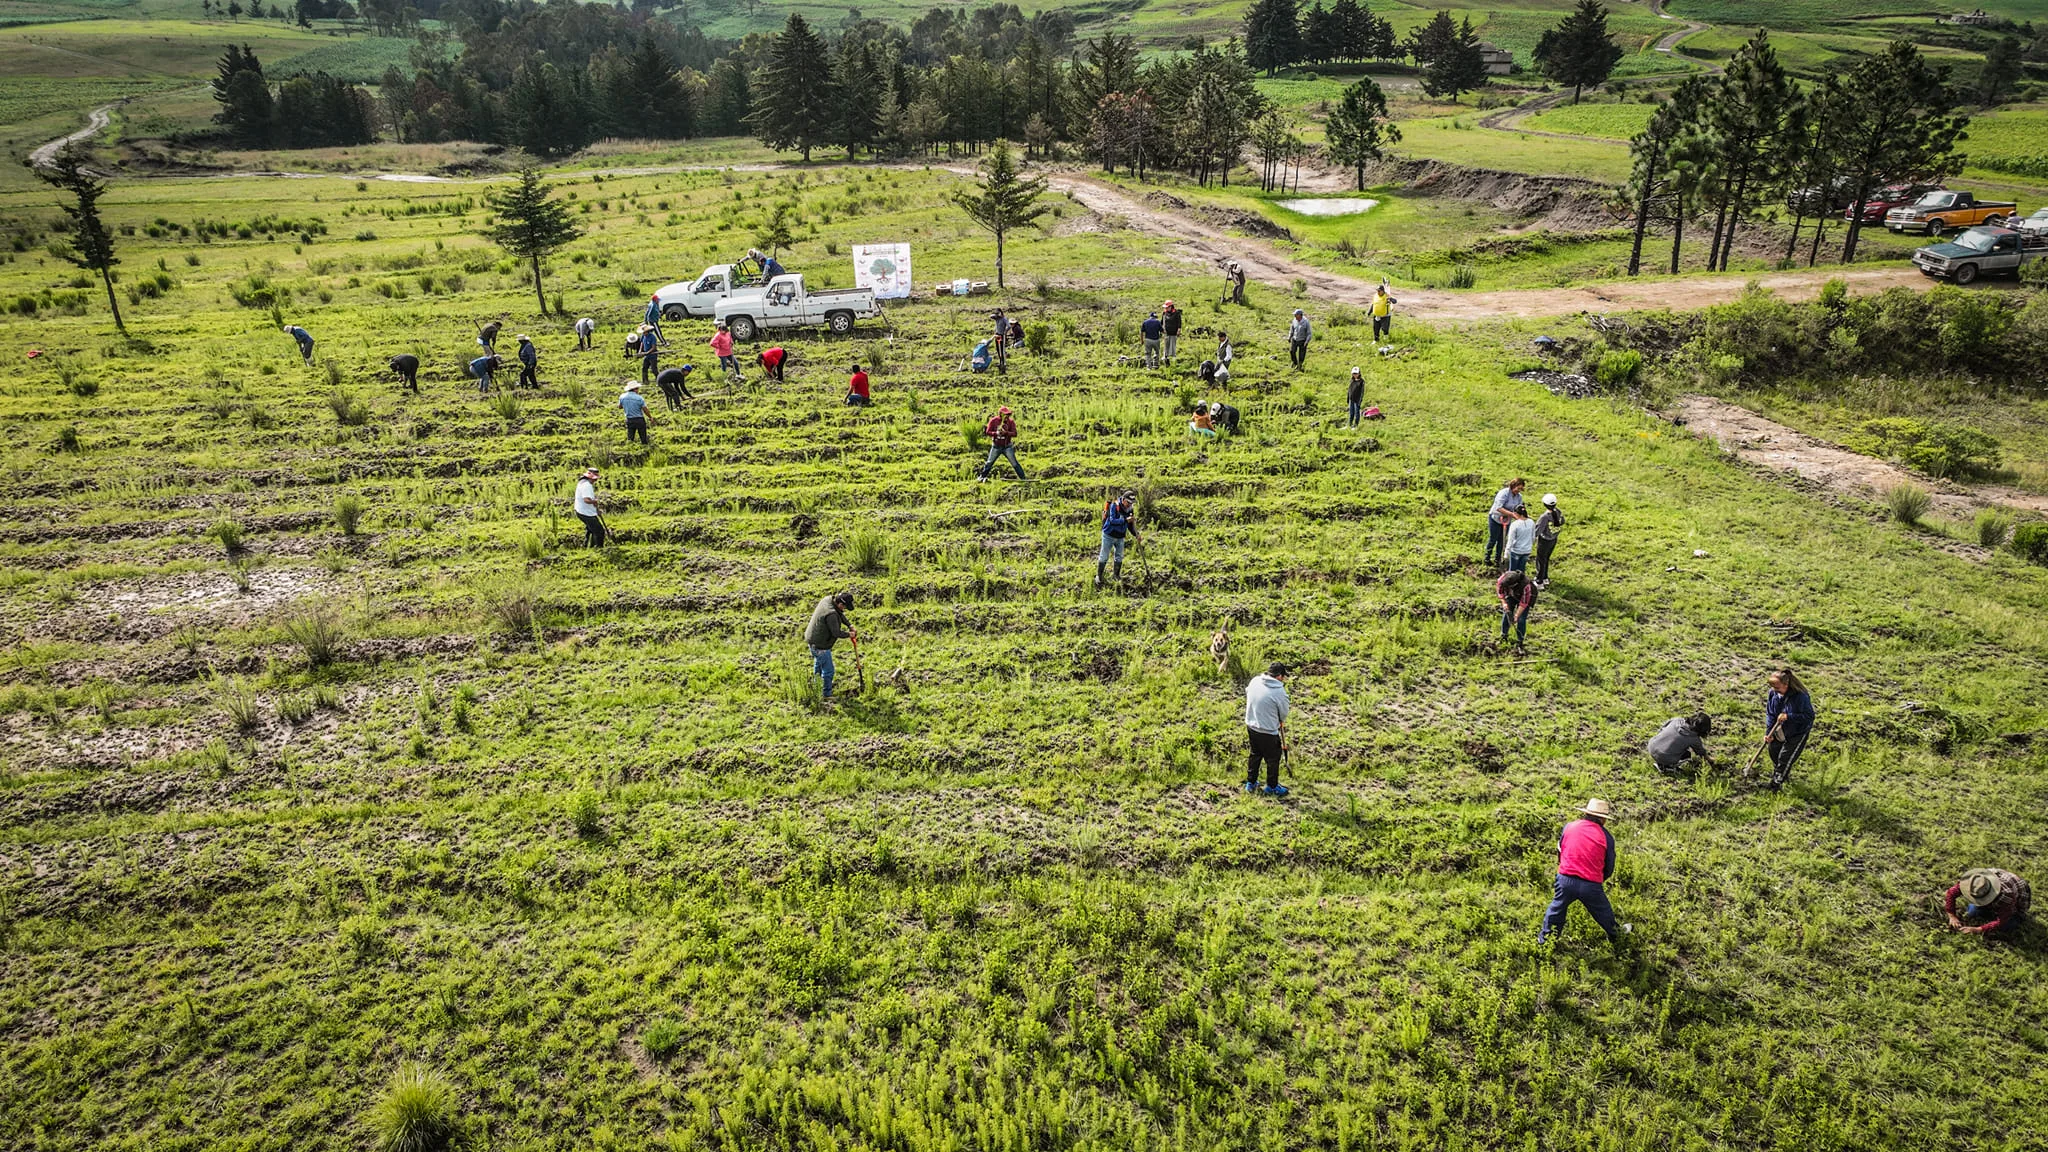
[(652, 94), (1359, 130), (859, 80), (1747, 114), (246, 109), (1272, 34), (1899, 127), (796, 103), (728, 98), (1449, 55), (530, 225), (1002, 201), (1348, 18), (92, 243), (549, 114), (778, 231), (1108, 65), (1652, 176), (1321, 37), (1577, 51), (2001, 68)]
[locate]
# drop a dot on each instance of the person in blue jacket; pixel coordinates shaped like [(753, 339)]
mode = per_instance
[(481, 368), (646, 344), (1788, 717), (654, 318), (529, 364), (305, 340), (1119, 520)]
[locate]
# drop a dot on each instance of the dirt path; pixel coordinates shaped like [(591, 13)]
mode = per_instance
[(1270, 266), (1770, 445), (95, 123)]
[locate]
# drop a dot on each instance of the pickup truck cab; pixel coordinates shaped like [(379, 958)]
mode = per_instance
[(1946, 211), (784, 302), (699, 298), (1982, 252)]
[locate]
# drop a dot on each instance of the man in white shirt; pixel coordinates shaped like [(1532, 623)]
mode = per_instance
[(1265, 722), (586, 509)]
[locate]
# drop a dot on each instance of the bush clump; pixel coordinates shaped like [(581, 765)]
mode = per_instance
[(1619, 368), (1908, 502), (2030, 542), (417, 1113), (1992, 527), (348, 513), (1942, 451)]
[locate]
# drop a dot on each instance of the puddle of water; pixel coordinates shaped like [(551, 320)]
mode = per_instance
[(1327, 207)]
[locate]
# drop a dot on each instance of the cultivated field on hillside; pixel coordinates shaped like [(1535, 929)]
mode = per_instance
[(325, 749)]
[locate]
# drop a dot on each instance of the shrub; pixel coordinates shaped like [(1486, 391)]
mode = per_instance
[(1908, 502), (348, 409), (971, 431), (417, 1113), (662, 1039), (506, 405), (348, 513), (316, 633), (586, 814), (67, 439), (1037, 338), (229, 533), (1462, 276), (1299, 286), (1619, 368), (1940, 450), (1992, 527), (2030, 542), (865, 550), (293, 708)]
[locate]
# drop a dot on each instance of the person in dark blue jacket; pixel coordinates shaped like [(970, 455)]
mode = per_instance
[(1119, 521), (304, 338), (529, 364), (646, 344), (481, 368), (1153, 330), (1788, 717), (654, 318)]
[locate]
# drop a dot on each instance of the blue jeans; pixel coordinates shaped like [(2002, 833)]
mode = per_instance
[(821, 663), (483, 382), (1570, 890), (1518, 561), (1112, 548), (1009, 451), (1355, 407), (1519, 617), (1496, 539)]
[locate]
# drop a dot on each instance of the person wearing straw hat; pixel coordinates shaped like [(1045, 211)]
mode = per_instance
[(1994, 899), (1585, 861), (586, 509), (634, 406), (529, 363), (647, 346)]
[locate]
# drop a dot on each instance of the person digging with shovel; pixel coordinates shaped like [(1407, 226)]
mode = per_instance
[(1119, 528), (1265, 723), (1585, 862), (828, 626), (586, 509)]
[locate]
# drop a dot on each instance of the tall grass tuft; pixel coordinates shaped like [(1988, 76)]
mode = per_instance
[(586, 814), (239, 701), (513, 602), (797, 684), (362, 937), (347, 408), (1993, 527), (865, 550), (573, 393), (971, 432), (417, 1113), (317, 633), (1462, 276), (506, 405), (229, 533), (1908, 502), (348, 513)]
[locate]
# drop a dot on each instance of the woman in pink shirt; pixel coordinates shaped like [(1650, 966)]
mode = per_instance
[(721, 347)]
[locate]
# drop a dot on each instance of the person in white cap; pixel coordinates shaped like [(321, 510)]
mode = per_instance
[(1354, 396), (1546, 537), (634, 406), (586, 328), (1585, 861), (586, 508)]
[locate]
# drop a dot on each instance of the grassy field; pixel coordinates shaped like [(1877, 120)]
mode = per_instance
[(1608, 121), (1815, 13), (564, 827)]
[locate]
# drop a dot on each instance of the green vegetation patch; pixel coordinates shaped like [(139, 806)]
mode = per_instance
[(1608, 121)]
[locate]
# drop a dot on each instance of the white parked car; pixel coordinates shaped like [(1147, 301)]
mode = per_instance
[(2038, 222), (784, 303), (698, 298)]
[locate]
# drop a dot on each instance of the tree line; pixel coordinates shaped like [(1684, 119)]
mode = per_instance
[(1722, 148)]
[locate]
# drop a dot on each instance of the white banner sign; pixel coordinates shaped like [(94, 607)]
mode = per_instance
[(884, 268)]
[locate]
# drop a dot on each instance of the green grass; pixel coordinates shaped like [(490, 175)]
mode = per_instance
[(1813, 13), (1459, 140), (1608, 121), (2010, 143), (611, 883)]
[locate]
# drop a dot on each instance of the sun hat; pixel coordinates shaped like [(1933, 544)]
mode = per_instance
[(522, 339), (1598, 807), (1980, 885), (632, 385), (1354, 370), (1168, 304), (1550, 498), (590, 473), (1002, 411)]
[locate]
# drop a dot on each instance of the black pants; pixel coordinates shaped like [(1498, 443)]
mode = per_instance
[(593, 530), (1382, 327), (1785, 753), (636, 429), (1297, 351), (673, 393), (775, 373), (1265, 746), (529, 375), (410, 380), (649, 365), (1543, 550), (856, 400)]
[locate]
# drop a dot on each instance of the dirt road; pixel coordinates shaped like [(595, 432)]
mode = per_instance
[(95, 123), (1772, 446), (1208, 244)]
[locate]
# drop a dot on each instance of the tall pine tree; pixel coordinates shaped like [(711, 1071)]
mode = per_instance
[(1449, 56), (529, 225), (1272, 34), (796, 103), (859, 80), (1358, 130), (1578, 52), (1900, 126)]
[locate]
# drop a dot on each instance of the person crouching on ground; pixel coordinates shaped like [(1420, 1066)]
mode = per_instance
[(1680, 741), (828, 626), (771, 361), (1517, 597), (1265, 723), (675, 385), (857, 388), (1585, 862), (1994, 900), (407, 366), (1201, 424), (1119, 521)]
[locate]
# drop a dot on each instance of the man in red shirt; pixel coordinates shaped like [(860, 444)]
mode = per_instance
[(1585, 859), (1002, 438), (1996, 899), (857, 388), (771, 362)]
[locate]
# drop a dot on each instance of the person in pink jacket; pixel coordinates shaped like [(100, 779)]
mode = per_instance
[(721, 347), (1585, 863)]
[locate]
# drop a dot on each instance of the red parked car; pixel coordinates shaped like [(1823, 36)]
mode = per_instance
[(1887, 198)]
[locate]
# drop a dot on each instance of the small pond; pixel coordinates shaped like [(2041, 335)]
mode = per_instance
[(1327, 207)]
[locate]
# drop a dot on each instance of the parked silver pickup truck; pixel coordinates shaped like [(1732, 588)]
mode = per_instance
[(784, 303), (1982, 252)]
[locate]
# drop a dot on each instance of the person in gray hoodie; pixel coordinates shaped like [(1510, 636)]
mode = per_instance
[(828, 626), (1297, 340), (1680, 741), (1265, 722)]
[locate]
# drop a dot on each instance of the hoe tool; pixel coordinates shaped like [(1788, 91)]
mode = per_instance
[(1750, 768), (860, 669)]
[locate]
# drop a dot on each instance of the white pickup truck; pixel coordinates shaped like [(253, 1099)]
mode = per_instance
[(784, 303), (688, 298)]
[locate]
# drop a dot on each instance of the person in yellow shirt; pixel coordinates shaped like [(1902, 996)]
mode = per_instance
[(1382, 313)]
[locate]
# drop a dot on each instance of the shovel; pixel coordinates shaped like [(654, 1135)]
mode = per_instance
[(860, 669), (1749, 769)]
